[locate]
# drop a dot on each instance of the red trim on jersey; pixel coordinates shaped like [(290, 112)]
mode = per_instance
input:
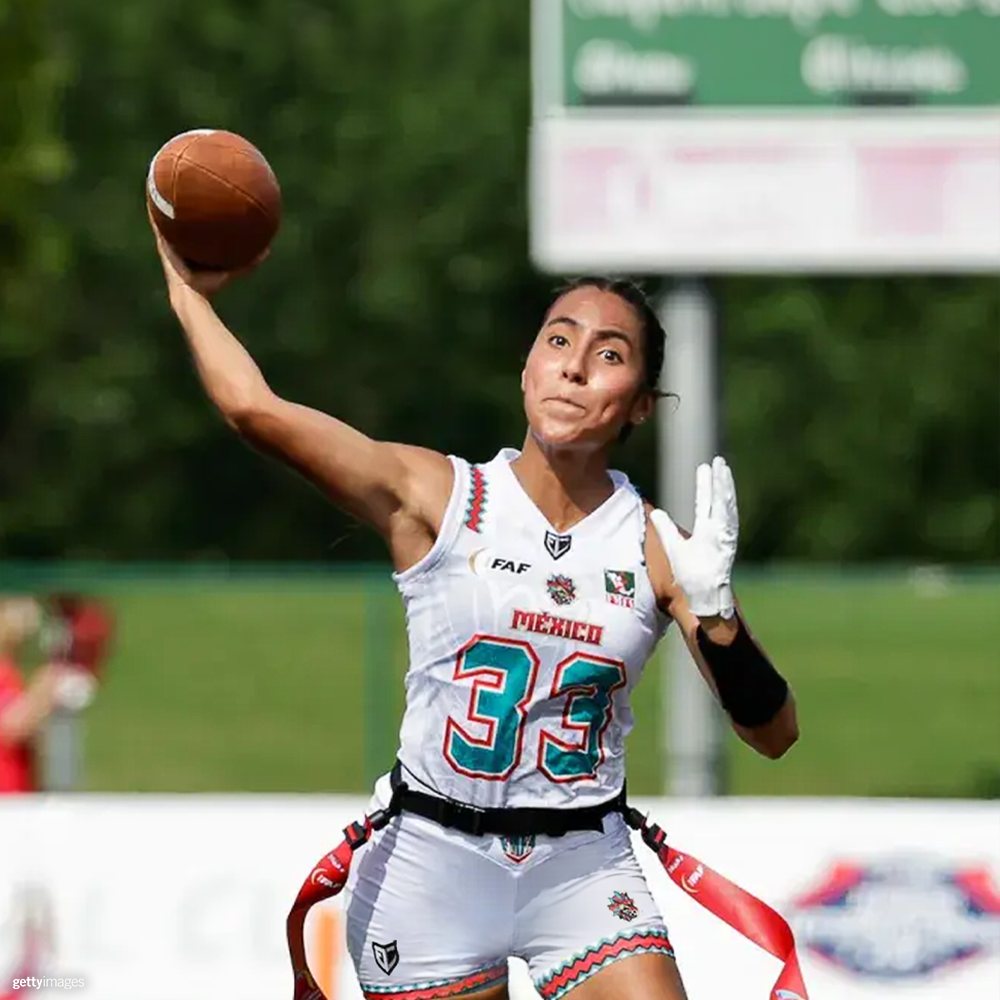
[(477, 501)]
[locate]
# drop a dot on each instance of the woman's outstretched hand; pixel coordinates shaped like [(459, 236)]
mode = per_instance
[(180, 275)]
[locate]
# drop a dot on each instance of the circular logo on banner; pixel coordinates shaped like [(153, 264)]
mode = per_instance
[(900, 918)]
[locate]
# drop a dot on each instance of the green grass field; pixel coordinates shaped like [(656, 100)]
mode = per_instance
[(294, 683)]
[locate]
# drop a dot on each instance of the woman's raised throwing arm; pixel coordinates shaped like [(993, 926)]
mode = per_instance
[(400, 490)]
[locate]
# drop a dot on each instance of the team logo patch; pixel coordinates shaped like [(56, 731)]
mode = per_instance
[(622, 906), (900, 919), (518, 849), (386, 956), (561, 589), (619, 587), (557, 545)]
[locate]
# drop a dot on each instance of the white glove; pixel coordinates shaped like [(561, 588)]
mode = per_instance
[(703, 563)]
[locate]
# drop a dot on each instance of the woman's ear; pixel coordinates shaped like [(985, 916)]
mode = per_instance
[(642, 408)]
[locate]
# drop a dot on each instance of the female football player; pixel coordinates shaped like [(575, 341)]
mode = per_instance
[(535, 592)]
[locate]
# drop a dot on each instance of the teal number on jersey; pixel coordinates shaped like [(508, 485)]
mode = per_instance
[(503, 673), (503, 676), (589, 684)]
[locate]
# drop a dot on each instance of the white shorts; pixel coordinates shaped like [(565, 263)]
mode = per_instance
[(435, 913)]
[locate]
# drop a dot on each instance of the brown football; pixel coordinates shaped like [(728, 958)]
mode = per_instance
[(214, 198)]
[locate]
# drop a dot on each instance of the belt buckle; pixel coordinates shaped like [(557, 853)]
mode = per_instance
[(478, 821), (356, 834), (468, 819)]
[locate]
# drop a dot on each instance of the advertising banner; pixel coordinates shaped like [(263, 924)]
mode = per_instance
[(184, 898), (774, 136), (786, 53), (753, 194)]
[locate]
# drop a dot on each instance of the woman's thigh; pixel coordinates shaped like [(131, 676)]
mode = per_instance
[(587, 910), (428, 915)]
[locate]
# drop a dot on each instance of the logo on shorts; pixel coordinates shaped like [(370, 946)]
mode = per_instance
[(561, 589), (622, 906), (619, 587), (557, 545), (386, 956), (518, 849)]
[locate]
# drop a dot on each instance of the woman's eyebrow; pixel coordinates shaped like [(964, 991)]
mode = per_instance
[(606, 333)]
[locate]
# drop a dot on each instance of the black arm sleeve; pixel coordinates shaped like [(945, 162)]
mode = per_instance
[(749, 687)]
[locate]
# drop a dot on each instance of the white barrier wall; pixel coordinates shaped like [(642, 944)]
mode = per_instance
[(184, 898)]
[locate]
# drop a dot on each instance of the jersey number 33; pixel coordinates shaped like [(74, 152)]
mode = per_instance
[(504, 673)]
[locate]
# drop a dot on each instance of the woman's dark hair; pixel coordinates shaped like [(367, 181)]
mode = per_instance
[(654, 337)]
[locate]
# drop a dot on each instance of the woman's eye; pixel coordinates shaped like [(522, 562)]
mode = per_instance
[(612, 356), (558, 340)]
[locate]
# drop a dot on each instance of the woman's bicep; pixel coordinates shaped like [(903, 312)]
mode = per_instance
[(371, 480)]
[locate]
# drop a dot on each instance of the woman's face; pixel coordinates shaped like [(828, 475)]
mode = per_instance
[(584, 379)]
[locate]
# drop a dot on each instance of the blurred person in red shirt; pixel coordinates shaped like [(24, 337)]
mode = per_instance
[(23, 707), (75, 640)]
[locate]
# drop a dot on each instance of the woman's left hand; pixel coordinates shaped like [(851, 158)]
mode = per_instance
[(702, 562)]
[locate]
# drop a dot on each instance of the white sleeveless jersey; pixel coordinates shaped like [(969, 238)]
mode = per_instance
[(525, 646)]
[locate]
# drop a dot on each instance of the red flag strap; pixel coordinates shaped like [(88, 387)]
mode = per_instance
[(745, 913), (327, 878)]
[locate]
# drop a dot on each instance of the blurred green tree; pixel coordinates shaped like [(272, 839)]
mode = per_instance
[(398, 296), (32, 158), (861, 416)]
